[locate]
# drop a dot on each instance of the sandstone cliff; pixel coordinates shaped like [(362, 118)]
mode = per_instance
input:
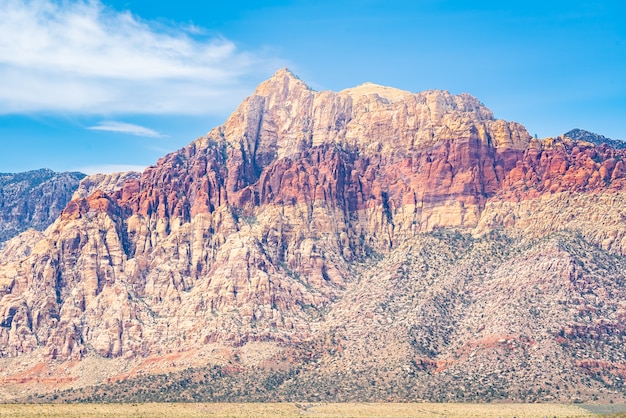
[(108, 183), (281, 227)]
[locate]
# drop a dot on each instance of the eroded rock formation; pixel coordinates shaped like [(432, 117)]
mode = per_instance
[(261, 231), (108, 183)]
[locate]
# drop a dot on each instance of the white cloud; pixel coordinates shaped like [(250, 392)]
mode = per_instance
[(125, 128), (110, 168), (81, 56)]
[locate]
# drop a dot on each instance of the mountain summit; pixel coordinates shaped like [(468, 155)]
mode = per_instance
[(363, 244)]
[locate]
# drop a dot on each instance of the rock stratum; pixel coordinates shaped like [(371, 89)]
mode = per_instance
[(364, 244)]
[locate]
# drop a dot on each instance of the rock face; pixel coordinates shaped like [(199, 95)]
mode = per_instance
[(295, 222), (33, 199), (108, 183)]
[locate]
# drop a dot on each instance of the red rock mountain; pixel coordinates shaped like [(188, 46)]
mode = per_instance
[(370, 235)]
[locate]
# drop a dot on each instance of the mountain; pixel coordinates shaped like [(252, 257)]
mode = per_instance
[(364, 244), (33, 199), (582, 135), (107, 183)]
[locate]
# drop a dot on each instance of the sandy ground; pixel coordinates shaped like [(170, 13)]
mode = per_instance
[(308, 410)]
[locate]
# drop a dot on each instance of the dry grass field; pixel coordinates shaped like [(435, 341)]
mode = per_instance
[(294, 410)]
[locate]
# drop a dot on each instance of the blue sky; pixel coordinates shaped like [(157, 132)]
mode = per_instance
[(109, 85)]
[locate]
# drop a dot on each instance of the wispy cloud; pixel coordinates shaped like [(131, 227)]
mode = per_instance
[(81, 56), (125, 128)]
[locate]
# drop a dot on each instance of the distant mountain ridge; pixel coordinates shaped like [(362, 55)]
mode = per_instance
[(33, 199), (582, 135)]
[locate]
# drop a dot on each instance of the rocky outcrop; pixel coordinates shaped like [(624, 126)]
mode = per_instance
[(33, 199), (559, 164), (108, 183), (262, 232)]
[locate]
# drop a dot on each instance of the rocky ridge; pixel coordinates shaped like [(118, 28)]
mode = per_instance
[(596, 139), (33, 199), (281, 230), (107, 183)]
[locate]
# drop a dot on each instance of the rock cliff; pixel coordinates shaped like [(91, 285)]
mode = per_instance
[(288, 225), (108, 183)]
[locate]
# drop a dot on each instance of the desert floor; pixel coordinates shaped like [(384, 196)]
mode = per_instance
[(309, 410)]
